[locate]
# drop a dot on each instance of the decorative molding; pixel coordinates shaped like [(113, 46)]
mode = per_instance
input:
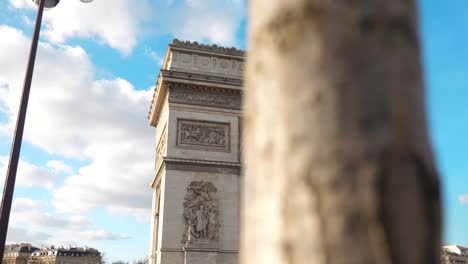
[(209, 48), (204, 96), (207, 163), (190, 76), (223, 251), (159, 99), (204, 135), (202, 166), (201, 211)]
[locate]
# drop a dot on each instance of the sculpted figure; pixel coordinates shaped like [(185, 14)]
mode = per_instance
[(212, 224), (200, 212), (202, 222)]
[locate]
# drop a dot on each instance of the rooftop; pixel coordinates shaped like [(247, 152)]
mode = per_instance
[(21, 248), (28, 248)]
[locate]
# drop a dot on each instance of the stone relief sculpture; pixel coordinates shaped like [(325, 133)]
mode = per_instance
[(214, 135), (192, 133), (200, 213), (190, 96)]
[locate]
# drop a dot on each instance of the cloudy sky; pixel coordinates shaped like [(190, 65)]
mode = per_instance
[(88, 153), (87, 156)]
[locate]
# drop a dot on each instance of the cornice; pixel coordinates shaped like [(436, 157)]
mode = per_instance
[(207, 48), (159, 97)]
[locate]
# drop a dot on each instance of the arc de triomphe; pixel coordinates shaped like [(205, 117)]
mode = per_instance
[(196, 112)]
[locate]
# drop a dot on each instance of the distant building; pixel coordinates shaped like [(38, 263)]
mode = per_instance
[(454, 254), (26, 254), (18, 253)]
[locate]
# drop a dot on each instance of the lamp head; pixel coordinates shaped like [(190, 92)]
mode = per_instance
[(48, 3), (53, 3)]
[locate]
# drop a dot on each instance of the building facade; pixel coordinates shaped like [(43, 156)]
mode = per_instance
[(454, 254), (26, 254), (18, 253), (196, 112)]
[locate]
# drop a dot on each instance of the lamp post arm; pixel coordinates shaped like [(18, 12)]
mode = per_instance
[(16, 146)]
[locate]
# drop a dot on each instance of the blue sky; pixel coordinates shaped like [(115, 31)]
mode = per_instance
[(444, 28), (88, 151)]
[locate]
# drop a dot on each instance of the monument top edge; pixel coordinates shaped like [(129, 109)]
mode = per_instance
[(194, 45)]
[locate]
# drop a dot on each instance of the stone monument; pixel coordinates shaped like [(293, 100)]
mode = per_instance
[(196, 112)]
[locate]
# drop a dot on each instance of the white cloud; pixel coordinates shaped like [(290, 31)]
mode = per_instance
[(35, 214), (28, 214), (58, 166), (121, 23), (154, 56), (27, 205), (463, 199), (71, 114), (27, 21), (29, 175), (214, 21), (23, 235), (116, 23), (22, 4), (95, 235)]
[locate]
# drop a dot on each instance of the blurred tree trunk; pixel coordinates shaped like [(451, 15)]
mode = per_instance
[(339, 164)]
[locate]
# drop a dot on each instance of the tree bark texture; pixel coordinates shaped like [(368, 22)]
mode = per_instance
[(339, 167)]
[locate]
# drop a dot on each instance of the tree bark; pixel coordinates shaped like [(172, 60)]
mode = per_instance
[(339, 167)]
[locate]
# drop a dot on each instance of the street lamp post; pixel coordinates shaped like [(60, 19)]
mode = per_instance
[(9, 186)]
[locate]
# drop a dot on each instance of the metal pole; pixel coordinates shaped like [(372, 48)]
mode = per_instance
[(16, 147)]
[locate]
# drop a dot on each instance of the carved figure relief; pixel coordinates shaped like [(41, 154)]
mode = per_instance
[(200, 133), (224, 64), (201, 213), (188, 96)]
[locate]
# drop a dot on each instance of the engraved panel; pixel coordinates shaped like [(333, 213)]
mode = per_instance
[(203, 135), (205, 61), (186, 58), (183, 61)]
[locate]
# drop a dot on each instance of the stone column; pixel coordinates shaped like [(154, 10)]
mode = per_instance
[(339, 165)]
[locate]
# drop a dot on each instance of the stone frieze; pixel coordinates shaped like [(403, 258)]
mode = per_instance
[(203, 134), (185, 95)]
